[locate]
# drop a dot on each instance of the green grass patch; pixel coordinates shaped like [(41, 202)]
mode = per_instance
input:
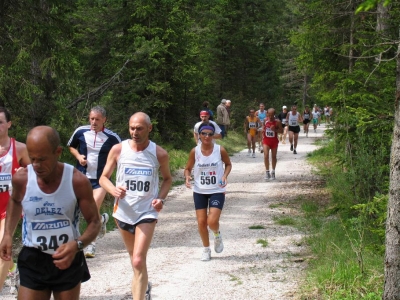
[(346, 243), (284, 221), (262, 242), (256, 227), (276, 205), (235, 279)]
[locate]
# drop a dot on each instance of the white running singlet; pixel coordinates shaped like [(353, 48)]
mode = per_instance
[(50, 220), (293, 119), (208, 171), (138, 172)]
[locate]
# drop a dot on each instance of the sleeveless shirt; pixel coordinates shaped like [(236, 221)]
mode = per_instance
[(268, 133), (293, 119), (50, 220), (138, 172), (262, 115), (8, 165), (208, 171)]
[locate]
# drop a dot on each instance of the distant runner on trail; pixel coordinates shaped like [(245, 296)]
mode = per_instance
[(205, 118), (251, 126), (306, 119), (90, 145), (282, 118), (210, 180), (294, 119), (13, 155), (272, 128), (138, 197), (261, 114)]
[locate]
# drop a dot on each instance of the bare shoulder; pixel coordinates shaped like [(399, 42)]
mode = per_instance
[(21, 147), (162, 154)]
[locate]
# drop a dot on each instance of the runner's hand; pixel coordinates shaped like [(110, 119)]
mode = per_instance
[(187, 183), (82, 160), (65, 254)]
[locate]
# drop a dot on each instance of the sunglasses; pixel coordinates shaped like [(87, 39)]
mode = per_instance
[(206, 134)]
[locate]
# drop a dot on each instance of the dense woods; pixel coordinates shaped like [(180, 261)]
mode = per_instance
[(165, 57)]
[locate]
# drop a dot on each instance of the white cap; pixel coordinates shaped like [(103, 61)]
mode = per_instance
[(283, 107)]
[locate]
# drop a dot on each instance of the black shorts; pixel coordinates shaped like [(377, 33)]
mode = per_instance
[(131, 228), (306, 121), (295, 129), (283, 125), (202, 201), (38, 271)]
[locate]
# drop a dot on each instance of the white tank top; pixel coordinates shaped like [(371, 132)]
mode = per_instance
[(50, 220), (208, 171), (293, 119), (138, 172), (6, 170)]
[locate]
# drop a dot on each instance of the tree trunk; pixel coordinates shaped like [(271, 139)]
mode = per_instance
[(392, 254)]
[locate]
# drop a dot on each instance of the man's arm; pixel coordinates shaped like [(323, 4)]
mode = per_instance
[(163, 160), (79, 157), (105, 182), (196, 134), (22, 154), (279, 127), (246, 125), (65, 254), (14, 211)]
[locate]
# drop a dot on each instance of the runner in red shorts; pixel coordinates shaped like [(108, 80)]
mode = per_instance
[(272, 128)]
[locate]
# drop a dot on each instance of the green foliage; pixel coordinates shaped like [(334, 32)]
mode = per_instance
[(262, 242)]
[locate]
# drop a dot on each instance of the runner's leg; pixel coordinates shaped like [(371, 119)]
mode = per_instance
[(137, 246), (201, 215), (5, 266), (72, 294)]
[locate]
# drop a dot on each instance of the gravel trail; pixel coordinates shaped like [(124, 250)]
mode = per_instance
[(245, 269)]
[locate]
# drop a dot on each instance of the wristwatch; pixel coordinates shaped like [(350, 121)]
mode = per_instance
[(80, 245), (162, 201)]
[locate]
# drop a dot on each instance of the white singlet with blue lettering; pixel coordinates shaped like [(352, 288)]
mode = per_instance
[(138, 172), (293, 119), (6, 165), (208, 171), (50, 220)]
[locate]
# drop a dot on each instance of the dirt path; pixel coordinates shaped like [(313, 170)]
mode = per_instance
[(245, 269)]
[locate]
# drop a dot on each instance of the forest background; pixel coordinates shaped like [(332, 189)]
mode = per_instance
[(165, 57)]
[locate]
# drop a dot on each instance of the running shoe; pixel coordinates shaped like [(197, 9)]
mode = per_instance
[(248, 152), (254, 155), (273, 176), (206, 255), (291, 147), (307, 134), (147, 296), (103, 229), (267, 175), (294, 151), (218, 244), (90, 251), (13, 275)]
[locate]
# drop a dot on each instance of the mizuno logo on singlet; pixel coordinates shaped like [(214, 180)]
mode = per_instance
[(135, 171), (50, 225), (5, 177), (35, 199)]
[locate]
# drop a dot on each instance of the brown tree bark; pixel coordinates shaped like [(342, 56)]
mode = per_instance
[(392, 254)]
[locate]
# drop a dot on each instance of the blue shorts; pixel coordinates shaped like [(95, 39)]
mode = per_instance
[(132, 228), (202, 201), (95, 183)]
